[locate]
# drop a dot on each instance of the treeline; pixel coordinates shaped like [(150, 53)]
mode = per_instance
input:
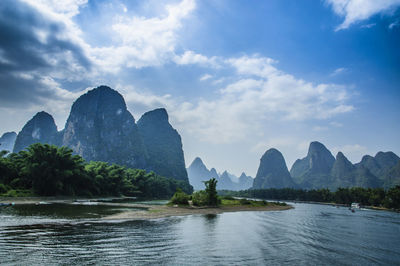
[(366, 196), (47, 170)]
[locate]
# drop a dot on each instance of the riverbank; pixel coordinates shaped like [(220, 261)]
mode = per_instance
[(342, 205), (142, 211)]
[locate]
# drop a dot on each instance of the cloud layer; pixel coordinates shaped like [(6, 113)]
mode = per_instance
[(355, 11), (33, 52)]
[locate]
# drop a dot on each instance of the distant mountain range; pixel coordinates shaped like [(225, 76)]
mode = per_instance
[(198, 173), (100, 128), (319, 169)]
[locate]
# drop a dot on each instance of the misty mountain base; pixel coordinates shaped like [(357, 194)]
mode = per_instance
[(198, 174), (47, 170), (377, 197)]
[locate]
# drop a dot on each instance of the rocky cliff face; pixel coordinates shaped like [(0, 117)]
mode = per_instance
[(100, 128), (7, 141), (342, 172), (40, 129), (380, 166), (392, 177), (273, 172), (313, 171), (163, 145)]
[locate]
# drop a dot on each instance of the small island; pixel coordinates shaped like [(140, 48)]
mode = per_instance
[(154, 212), (200, 202), (181, 204)]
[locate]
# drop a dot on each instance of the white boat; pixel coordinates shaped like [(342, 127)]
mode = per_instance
[(355, 205)]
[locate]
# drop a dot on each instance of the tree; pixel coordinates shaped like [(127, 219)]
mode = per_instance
[(53, 170), (393, 198), (211, 190)]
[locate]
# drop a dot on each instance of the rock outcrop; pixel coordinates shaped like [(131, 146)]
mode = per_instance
[(40, 129), (163, 145), (380, 166), (342, 172), (313, 171), (273, 172), (7, 141), (392, 177), (100, 128)]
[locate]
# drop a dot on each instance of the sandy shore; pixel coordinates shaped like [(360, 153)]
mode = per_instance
[(162, 211)]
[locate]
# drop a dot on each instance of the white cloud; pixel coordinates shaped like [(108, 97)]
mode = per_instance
[(140, 100), (190, 57), (252, 91), (242, 85), (218, 81), (205, 77), (394, 24), (355, 11), (258, 92), (368, 26), (255, 65), (138, 41), (144, 41), (339, 71), (277, 142), (70, 8)]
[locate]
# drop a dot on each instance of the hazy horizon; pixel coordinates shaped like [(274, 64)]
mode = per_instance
[(236, 79)]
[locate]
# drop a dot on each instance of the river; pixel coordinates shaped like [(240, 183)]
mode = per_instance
[(309, 234)]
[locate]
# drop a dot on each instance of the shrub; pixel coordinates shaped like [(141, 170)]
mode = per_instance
[(180, 197), (245, 202), (3, 188), (199, 198)]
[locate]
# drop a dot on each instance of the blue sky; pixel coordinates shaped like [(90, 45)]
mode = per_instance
[(237, 78)]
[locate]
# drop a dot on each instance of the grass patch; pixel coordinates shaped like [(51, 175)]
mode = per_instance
[(18, 193), (155, 211), (245, 202)]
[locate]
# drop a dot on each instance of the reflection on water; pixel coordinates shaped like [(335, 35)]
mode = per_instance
[(63, 211), (307, 235)]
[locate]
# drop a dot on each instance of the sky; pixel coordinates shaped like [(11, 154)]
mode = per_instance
[(236, 77)]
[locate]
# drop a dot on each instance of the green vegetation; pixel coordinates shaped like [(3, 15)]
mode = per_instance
[(199, 198), (366, 196), (47, 170), (207, 197), (211, 192), (180, 198), (230, 201)]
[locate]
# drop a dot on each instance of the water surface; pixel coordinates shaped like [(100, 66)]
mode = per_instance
[(307, 235)]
